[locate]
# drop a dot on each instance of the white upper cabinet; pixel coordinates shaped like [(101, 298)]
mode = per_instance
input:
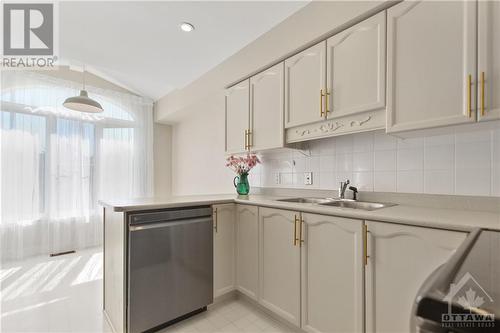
[(224, 236), (237, 117), (247, 250), (280, 263), (356, 68), (267, 106), (431, 64), (401, 257), (332, 274), (305, 76), (489, 60)]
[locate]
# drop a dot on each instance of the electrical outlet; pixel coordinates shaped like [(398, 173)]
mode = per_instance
[(277, 178), (308, 178)]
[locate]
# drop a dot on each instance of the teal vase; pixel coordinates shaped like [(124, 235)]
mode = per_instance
[(241, 184)]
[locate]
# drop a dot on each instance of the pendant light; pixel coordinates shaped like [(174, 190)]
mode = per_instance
[(83, 102)]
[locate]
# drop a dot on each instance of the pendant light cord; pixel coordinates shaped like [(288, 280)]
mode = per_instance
[(83, 77)]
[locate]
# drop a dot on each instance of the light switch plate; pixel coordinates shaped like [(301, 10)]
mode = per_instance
[(308, 178)]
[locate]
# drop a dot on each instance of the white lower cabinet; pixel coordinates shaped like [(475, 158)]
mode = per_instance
[(401, 257), (280, 263), (247, 250), (224, 236), (325, 273), (332, 274)]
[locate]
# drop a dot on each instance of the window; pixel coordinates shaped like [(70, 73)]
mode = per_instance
[(57, 163), (23, 153)]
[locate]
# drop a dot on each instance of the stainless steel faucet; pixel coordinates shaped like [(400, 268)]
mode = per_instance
[(342, 188)]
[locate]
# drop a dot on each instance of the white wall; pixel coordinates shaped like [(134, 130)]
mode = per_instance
[(198, 161), (162, 152), (465, 163), (197, 111)]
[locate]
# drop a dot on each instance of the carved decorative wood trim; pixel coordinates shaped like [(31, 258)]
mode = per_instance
[(360, 122), (302, 132), (332, 126)]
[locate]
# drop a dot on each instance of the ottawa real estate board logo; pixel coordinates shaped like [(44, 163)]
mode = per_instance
[(29, 35), (467, 301)]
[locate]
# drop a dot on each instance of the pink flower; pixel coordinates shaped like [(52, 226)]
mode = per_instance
[(242, 164)]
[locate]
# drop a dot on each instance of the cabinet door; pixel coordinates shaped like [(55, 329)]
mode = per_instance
[(247, 250), (332, 274), (237, 116), (224, 235), (431, 56), (305, 78), (267, 107), (356, 68), (401, 258), (280, 263), (489, 60)]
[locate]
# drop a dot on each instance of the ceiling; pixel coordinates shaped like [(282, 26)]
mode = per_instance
[(140, 46)]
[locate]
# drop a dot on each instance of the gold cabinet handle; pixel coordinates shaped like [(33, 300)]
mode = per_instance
[(482, 93), (246, 139), (469, 95), (327, 99), (216, 224), (301, 225), (321, 95), (365, 244), (294, 242), (250, 139)]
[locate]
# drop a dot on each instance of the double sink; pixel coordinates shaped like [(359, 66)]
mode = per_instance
[(343, 203)]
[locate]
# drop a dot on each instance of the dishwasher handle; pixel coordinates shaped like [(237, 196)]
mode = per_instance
[(167, 224), (169, 215)]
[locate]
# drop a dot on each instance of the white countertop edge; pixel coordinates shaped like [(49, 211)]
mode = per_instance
[(462, 220)]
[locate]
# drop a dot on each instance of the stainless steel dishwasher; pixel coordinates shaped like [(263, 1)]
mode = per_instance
[(170, 266)]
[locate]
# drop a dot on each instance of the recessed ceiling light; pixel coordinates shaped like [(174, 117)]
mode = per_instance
[(187, 27)]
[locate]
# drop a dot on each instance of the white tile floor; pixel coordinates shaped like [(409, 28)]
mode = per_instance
[(59, 294), (231, 317), (64, 294)]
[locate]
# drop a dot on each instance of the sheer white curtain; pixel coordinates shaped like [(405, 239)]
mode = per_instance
[(56, 163)]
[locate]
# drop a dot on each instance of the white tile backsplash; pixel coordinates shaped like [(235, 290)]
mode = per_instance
[(383, 141), (384, 160), (313, 164), (473, 155), (439, 181), (299, 164), (439, 157), (411, 181), (439, 140), (364, 179), (343, 162), (362, 161), (326, 164), (462, 163), (410, 159), (384, 181), (363, 142), (326, 180), (344, 144), (472, 182)]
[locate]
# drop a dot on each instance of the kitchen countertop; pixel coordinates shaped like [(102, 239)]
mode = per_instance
[(453, 219)]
